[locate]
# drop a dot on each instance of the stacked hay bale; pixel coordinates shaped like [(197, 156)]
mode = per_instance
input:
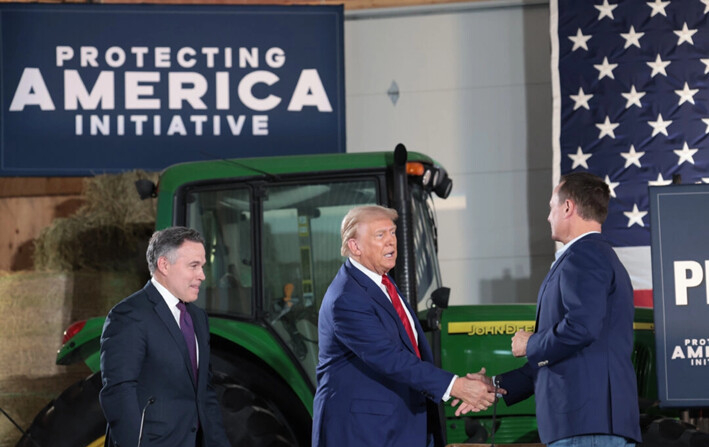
[(108, 233), (84, 264)]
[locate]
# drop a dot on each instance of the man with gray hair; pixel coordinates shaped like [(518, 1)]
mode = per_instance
[(155, 354), (377, 384)]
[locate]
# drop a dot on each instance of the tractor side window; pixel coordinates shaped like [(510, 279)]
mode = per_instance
[(428, 274), (301, 255), (223, 217)]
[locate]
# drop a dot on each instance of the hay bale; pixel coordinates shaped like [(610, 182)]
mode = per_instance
[(109, 232), (38, 307), (84, 264), (113, 197)]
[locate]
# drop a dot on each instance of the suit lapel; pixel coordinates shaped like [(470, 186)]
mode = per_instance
[(171, 325), (424, 349), (417, 325), (555, 266), (542, 289), (382, 300)]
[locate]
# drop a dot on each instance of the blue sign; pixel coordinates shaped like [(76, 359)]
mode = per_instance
[(680, 277), (89, 89)]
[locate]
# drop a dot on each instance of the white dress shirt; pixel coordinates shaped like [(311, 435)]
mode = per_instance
[(172, 301), (566, 246)]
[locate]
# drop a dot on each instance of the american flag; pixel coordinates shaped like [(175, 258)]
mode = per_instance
[(630, 83)]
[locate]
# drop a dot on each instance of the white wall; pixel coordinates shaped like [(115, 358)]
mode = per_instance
[(475, 94)]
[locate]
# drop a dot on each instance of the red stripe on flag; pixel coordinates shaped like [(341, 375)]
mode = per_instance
[(642, 298)]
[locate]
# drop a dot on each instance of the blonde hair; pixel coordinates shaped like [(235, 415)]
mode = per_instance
[(359, 214)]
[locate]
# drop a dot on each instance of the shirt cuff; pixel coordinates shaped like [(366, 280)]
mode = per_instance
[(446, 397)]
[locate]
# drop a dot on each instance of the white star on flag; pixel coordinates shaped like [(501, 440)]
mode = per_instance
[(685, 154), (605, 10), (646, 71), (635, 216), (579, 40), (606, 128), (658, 7), (660, 181), (579, 159), (581, 100), (705, 62), (606, 69), (685, 35), (633, 97), (686, 94), (659, 126), (631, 37), (611, 185), (658, 66), (632, 157)]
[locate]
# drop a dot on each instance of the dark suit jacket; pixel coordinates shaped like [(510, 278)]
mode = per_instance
[(372, 388), (579, 358), (143, 355)]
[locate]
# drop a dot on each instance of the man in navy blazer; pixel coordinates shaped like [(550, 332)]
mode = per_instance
[(150, 381), (377, 385), (579, 357)]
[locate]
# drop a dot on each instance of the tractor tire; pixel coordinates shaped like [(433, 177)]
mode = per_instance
[(667, 432), (259, 409), (74, 419), (254, 416)]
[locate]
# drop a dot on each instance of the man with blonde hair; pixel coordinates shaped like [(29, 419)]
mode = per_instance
[(376, 376), (348, 229)]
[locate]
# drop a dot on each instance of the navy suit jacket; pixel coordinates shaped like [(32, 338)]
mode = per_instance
[(579, 358), (143, 355), (372, 388)]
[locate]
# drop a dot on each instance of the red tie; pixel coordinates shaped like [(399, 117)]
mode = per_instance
[(396, 301)]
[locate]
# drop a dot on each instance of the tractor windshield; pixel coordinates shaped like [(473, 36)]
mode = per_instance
[(301, 255), (273, 249)]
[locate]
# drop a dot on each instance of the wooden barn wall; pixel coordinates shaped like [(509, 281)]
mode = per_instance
[(27, 205)]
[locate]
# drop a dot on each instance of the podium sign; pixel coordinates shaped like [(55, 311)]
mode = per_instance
[(680, 277)]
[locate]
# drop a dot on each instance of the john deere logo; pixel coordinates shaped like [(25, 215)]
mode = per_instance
[(489, 327)]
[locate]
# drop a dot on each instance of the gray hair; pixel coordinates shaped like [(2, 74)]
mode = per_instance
[(359, 214), (166, 242)]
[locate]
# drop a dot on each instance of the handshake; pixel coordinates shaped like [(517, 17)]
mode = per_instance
[(475, 392)]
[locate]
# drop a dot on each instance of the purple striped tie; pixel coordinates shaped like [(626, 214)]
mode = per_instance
[(188, 332)]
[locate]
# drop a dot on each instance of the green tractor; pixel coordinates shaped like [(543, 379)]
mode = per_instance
[(271, 227)]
